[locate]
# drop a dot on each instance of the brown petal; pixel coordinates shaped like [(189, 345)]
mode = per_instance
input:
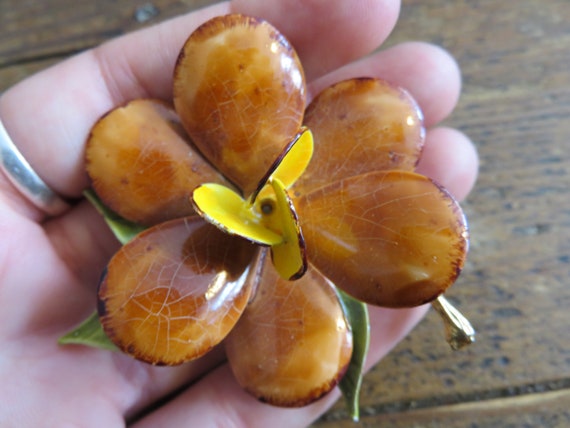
[(292, 344), (175, 291), (361, 125), (240, 91), (391, 238), (142, 165)]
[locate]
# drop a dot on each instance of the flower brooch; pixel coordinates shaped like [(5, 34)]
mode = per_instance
[(246, 215)]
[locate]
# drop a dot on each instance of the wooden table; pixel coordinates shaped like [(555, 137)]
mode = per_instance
[(515, 58)]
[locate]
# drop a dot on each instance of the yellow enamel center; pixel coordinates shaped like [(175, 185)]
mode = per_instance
[(268, 216)]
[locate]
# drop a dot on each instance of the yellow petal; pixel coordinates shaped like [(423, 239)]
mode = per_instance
[(228, 211), (295, 159), (288, 256), (291, 163)]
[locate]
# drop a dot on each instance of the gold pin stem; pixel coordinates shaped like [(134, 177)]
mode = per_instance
[(458, 330)]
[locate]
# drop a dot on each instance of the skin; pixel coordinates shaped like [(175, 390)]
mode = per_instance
[(50, 267)]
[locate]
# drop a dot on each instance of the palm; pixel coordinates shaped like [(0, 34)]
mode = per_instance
[(42, 297), (50, 270)]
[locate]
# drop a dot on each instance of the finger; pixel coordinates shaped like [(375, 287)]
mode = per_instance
[(217, 400), (84, 384), (450, 158), (327, 34), (65, 100), (38, 282), (388, 327), (83, 242), (90, 84), (428, 72), (432, 76), (146, 385)]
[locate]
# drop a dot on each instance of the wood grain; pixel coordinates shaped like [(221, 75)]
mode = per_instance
[(515, 289)]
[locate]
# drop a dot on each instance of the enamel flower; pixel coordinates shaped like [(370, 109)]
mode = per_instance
[(255, 211)]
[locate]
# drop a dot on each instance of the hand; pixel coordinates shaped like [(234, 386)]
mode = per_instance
[(50, 266)]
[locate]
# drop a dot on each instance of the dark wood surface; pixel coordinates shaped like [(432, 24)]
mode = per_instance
[(515, 105)]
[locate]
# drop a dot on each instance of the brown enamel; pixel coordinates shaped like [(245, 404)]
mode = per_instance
[(361, 125), (240, 91), (390, 238), (175, 291), (142, 165), (292, 344)]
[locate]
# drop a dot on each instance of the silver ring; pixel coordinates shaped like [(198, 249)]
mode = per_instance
[(25, 179)]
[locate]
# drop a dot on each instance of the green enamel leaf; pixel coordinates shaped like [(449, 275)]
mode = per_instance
[(89, 333), (357, 314), (123, 229)]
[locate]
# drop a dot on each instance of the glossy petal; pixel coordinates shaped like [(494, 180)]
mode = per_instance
[(359, 126), (292, 344), (229, 212), (391, 238), (142, 165), (240, 91), (175, 291)]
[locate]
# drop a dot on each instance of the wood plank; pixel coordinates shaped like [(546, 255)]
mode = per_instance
[(54, 28), (545, 410)]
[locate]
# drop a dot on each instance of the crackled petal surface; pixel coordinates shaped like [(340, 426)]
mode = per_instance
[(390, 238), (240, 91), (359, 126), (292, 344), (142, 165), (175, 291)]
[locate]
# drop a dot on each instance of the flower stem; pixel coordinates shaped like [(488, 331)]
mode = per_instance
[(458, 330)]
